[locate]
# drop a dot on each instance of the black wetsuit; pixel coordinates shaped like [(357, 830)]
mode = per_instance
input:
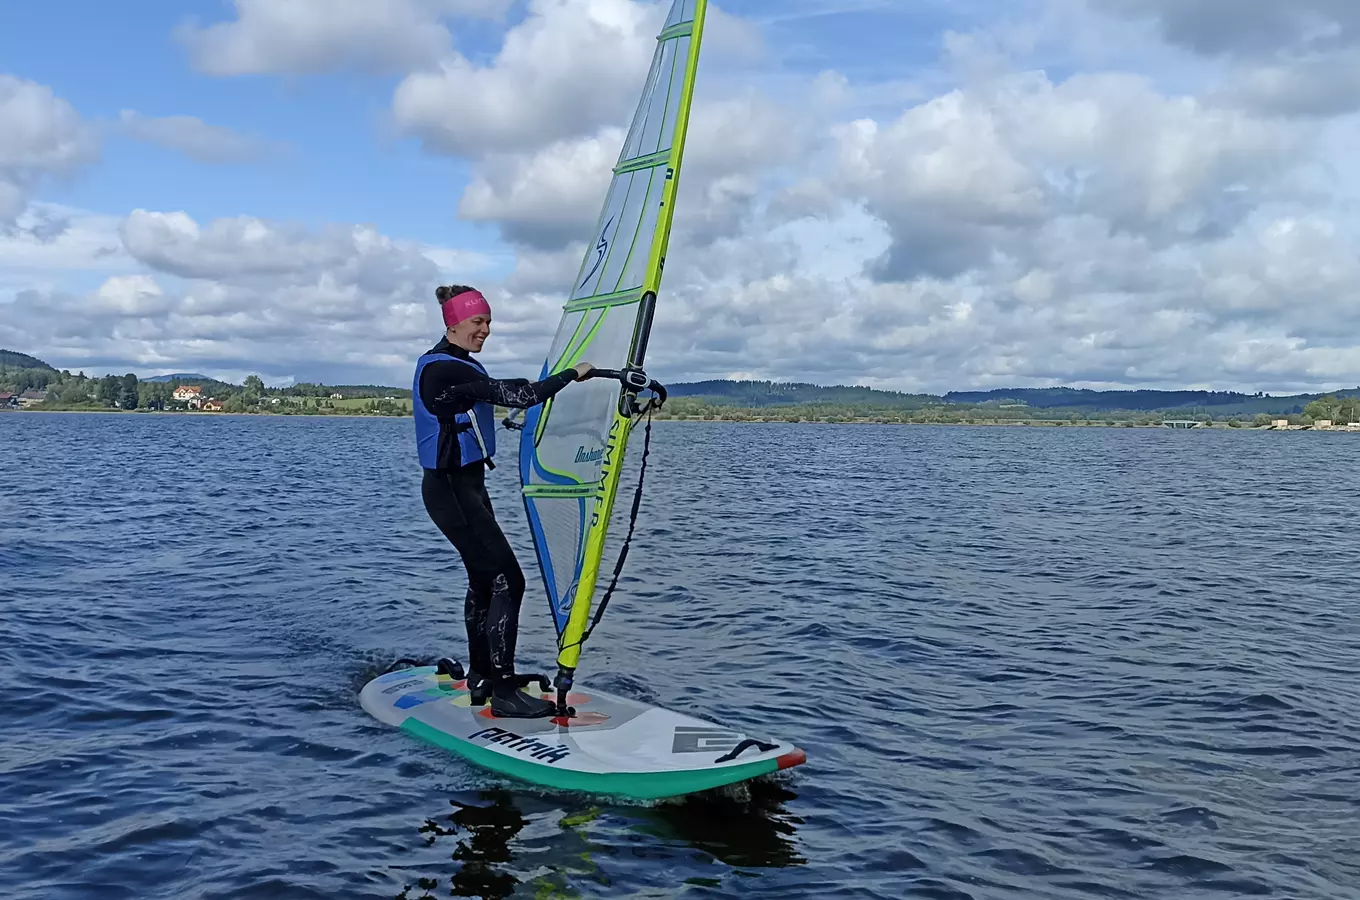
[(456, 500)]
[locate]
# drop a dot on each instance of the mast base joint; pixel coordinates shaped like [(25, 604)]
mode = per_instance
[(563, 683)]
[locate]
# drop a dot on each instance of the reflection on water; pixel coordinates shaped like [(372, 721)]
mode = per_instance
[(744, 826), (506, 844)]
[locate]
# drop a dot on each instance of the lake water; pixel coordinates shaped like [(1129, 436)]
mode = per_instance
[(1024, 663)]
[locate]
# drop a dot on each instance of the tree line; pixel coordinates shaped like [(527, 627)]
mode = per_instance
[(74, 391), (1338, 409)]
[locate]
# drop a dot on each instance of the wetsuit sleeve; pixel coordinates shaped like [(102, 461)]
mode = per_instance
[(451, 388)]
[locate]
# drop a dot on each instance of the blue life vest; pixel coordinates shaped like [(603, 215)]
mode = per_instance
[(476, 431)]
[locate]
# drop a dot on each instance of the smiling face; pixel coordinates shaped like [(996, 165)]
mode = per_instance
[(470, 334)]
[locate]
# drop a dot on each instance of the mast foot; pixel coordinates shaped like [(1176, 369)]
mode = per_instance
[(563, 683)]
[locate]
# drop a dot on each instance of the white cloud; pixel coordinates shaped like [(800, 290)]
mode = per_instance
[(195, 138), (973, 173), (1299, 58), (243, 294), (1322, 85), (133, 296), (1245, 27), (314, 36), (545, 271), (1262, 308), (546, 198), (49, 246), (569, 68), (245, 248), (41, 135)]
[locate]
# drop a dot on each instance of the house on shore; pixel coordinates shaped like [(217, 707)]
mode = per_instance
[(1318, 425), (31, 398), (190, 394)]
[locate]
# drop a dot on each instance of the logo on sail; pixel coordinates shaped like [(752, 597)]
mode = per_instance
[(601, 249), (566, 601), (584, 456)]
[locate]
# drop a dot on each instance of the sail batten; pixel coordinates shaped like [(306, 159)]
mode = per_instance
[(600, 301), (684, 29), (559, 490), (571, 448), (649, 161)]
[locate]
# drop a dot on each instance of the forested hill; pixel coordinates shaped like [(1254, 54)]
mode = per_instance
[(779, 393), (760, 394), (16, 360), (185, 377), (1219, 402)]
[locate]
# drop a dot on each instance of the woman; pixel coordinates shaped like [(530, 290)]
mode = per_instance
[(454, 402)]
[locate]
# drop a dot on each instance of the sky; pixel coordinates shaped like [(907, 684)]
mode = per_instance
[(929, 195)]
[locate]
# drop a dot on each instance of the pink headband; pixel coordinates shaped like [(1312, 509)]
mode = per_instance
[(464, 306)]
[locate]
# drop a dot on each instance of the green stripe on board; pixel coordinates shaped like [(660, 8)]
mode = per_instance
[(600, 301), (650, 161), (640, 785)]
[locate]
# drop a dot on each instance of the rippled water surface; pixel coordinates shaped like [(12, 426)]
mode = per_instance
[(1024, 663)]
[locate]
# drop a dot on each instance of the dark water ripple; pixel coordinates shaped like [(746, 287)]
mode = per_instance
[(1059, 663)]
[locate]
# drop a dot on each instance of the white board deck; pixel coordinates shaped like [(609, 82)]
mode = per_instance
[(613, 745)]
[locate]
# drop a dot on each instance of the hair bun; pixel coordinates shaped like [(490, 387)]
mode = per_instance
[(446, 291)]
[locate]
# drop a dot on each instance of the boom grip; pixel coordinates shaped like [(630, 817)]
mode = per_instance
[(633, 378)]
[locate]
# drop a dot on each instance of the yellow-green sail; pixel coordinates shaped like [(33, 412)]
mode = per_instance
[(571, 449)]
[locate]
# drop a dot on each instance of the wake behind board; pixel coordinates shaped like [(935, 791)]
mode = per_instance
[(613, 745)]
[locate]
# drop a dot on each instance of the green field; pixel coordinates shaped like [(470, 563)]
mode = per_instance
[(360, 404)]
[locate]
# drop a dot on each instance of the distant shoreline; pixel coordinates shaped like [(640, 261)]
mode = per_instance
[(993, 423), (205, 413)]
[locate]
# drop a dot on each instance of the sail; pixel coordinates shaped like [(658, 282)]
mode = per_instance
[(571, 447)]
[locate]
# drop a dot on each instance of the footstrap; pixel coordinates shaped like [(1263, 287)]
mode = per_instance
[(523, 681), (743, 747)]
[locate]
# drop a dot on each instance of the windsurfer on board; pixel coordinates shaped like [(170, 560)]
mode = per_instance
[(454, 402)]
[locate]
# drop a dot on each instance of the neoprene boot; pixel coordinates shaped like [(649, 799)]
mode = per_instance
[(509, 702), (479, 688)]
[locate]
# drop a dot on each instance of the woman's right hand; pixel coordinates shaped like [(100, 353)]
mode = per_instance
[(582, 369)]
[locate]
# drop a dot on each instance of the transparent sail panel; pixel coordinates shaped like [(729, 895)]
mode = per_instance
[(558, 525), (570, 431), (681, 11), (650, 136)]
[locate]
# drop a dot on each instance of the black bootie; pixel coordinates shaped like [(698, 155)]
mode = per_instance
[(479, 689), (509, 702)]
